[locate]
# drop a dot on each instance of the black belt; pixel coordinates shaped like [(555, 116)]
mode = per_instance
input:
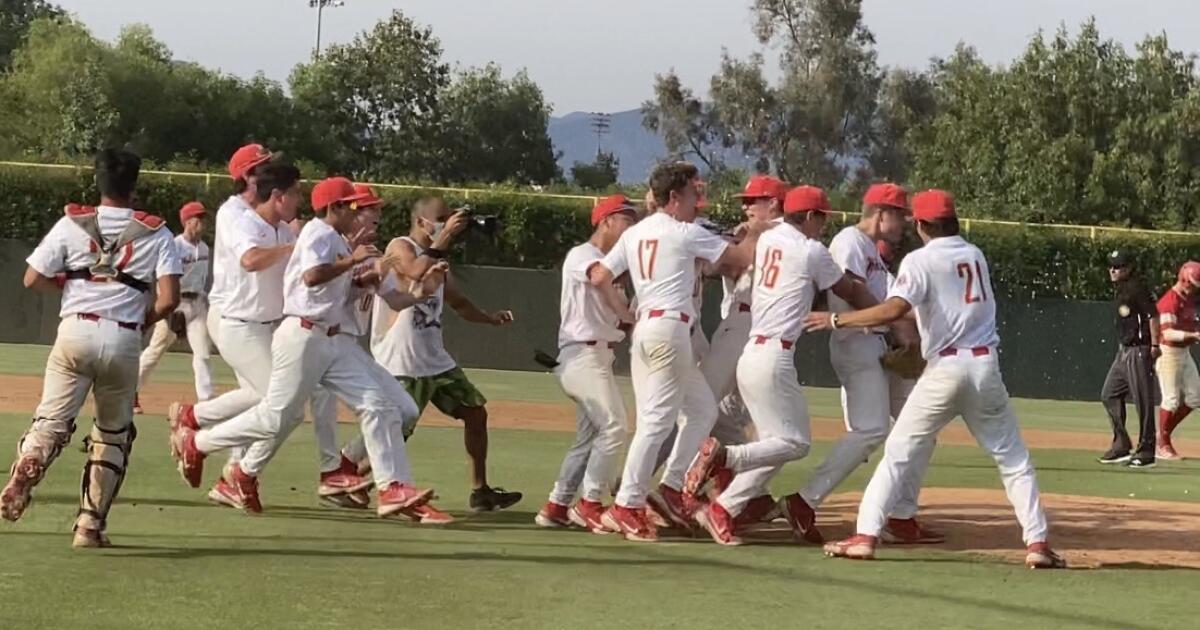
[(191, 295)]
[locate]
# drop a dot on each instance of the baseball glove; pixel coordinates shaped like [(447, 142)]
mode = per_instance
[(177, 322), (907, 363)]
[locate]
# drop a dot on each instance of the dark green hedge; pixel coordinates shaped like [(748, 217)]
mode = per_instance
[(538, 231)]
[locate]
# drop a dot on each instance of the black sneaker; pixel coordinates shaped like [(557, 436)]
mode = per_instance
[(1142, 461), (487, 499), (1113, 456)]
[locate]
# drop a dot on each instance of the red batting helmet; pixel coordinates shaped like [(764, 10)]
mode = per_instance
[(1190, 273)]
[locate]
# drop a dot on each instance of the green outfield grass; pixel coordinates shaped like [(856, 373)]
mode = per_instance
[(183, 564)]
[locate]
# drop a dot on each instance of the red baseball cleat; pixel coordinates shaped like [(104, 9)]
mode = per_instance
[(1040, 556), (553, 516), (630, 523), (721, 478), (710, 458), (426, 514), (182, 414), (191, 460), (247, 490), (223, 493), (907, 531), (26, 472), (1166, 451), (398, 496), (344, 480), (856, 547), (719, 524), (802, 518), (674, 505), (588, 515)]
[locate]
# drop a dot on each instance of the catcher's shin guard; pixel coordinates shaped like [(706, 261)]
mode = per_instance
[(103, 474), (38, 447)]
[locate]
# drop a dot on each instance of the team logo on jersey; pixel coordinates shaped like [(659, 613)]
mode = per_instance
[(1123, 310)]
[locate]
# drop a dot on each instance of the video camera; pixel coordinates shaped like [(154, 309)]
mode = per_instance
[(486, 224)]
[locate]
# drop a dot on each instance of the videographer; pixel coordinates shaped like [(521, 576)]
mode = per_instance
[(410, 345)]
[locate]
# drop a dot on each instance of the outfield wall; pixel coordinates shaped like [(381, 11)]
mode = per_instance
[(1050, 348)]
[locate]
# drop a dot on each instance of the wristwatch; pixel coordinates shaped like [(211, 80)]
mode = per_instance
[(833, 321)]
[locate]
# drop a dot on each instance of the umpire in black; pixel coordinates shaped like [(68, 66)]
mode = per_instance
[(1131, 377)]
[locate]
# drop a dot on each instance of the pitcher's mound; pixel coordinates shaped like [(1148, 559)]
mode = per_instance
[(1090, 532)]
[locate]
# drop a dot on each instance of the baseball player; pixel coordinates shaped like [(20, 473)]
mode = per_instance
[(948, 285), (586, 337), (790, 267), (260, 243), (340, 467), (1176, 369), (855, 354), (1131, 375), (762, 201), (660, 255), (192, 314), (308, 349), (410, 345), (104, 259)]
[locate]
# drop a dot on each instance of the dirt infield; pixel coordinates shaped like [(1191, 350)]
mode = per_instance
[(20, 394), (1091, 532)]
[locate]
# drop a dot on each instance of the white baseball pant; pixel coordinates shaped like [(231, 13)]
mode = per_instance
[(246, 347), (302, 359), (719, 367), (906, 506), (767, 379), (195, 312), (322, 406), (1178, 378), (669, 389), (865, 405), (586, 376), (968, 385)]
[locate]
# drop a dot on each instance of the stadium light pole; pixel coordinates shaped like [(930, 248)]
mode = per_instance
[(320, 5)]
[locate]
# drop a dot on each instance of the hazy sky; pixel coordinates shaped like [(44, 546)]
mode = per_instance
[(601, 55)]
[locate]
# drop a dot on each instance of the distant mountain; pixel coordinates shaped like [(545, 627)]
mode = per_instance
[(637, 149)]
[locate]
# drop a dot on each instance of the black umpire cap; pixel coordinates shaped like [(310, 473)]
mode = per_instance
[(1119, 258)]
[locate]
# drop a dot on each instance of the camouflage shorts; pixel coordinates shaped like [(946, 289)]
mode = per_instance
[(448, 391)]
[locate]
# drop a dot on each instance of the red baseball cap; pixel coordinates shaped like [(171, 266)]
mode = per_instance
[(1190, 272), (886, 194), (933, 205), (334, 190), (370, 198), (764, 186), (191, 210), (608, 206), (246, 158), (806, 199)]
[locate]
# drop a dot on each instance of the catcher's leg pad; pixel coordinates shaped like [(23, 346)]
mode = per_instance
[(44, 440), (103, 474)]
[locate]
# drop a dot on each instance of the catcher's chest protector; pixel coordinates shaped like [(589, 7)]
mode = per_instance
[(111, 258)]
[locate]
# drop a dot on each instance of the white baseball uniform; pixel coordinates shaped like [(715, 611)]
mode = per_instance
[(96, 350), (586, 337), (1178, 378), (855, 355), (719, 366), (660, 254), (700, 343), (899, 389), (192, 288), (308, 350), (251, 304), (789, 269), (948, 284)]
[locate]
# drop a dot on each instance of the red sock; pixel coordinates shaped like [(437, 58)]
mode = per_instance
[(1164, 421), (1180, 413)]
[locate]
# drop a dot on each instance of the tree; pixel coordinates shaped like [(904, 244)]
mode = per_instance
[(598, 175), (15, 18), (375, 101), (689, 126), (822, 112), (495, 130)]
